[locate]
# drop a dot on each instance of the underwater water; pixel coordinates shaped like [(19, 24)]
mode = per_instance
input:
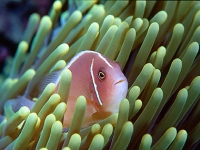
[(156, 44)]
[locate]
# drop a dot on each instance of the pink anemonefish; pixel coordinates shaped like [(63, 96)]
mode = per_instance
[(97, 78)]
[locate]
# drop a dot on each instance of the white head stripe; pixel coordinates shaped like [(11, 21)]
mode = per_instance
[(93, 81), (87, 51), (105, 60)]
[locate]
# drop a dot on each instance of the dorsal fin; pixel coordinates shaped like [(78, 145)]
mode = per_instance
[(52, 77)]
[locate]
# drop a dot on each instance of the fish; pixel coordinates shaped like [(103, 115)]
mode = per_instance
[(97, 78)]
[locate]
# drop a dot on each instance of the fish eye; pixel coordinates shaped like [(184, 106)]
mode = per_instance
[(101, 75)]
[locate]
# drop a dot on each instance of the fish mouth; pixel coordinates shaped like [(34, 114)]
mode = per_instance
[(120, 81)]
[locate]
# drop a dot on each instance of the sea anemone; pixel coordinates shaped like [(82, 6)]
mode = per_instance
[(156, 43)]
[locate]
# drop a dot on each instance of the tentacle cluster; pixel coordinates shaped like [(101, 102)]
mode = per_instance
[(157, 45)]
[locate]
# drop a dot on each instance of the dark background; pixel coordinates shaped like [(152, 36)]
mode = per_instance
[(14, 15)]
